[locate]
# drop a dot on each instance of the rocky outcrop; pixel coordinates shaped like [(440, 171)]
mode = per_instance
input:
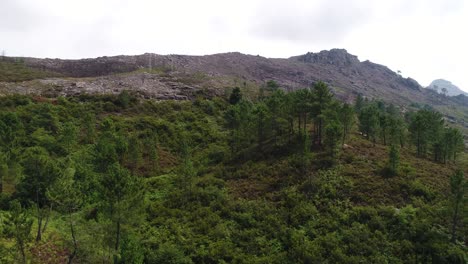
[(146, 85), (344, 72), (336, 57)]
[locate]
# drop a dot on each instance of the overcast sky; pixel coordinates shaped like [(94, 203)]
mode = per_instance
[(425, 39)]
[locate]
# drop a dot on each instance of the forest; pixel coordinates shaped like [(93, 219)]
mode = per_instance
[(274, 177)]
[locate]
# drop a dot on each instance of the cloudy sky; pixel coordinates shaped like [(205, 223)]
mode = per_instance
[(425, 39)]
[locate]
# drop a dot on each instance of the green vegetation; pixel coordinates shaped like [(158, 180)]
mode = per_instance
[(17, 71), (284, 178)]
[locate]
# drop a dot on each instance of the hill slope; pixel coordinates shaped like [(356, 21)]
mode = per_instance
[(183, 77)]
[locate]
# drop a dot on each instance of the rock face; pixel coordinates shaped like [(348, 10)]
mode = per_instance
[(451, 89), (337, 57), (179, 76), (87, 67), (146, 85)]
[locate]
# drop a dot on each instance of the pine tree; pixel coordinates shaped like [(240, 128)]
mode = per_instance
[(369, 122), (236, 96), (394, 160), (333, 135), (153, 154), (262, 118), (68, 136), (88, 128), (426, 127), (322, 97), (457, 187), (134, 152), (359, 103), (122, 199), (40, 172), (347, 119), (66, 195), (19, 225)]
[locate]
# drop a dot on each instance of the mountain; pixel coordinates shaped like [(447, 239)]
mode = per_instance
[(343, 71), (273, 179), (183, 77), (452, 90)]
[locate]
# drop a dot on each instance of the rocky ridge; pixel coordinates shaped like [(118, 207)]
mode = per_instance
[(184, 77)]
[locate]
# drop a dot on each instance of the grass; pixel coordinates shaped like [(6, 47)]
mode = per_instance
[(18, 72), (363, 164), (417, 177)]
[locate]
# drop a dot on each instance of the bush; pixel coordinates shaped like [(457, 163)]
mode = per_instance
[(4, 201), (167, 253)]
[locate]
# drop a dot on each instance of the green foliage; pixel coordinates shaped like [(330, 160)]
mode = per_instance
[(124, 99), (346, 116), (235, 96), (213, 182), (322, 99), (393, 160), (458, 187), (359, 103), (168, 253), (425, 127), (121, 201), (448, 145), (333, 135), (134, 152), (17, 71), (88, 134), (40, 172), (369, 122), (272, 85), (18, 225), (131, 250), (152, 147)]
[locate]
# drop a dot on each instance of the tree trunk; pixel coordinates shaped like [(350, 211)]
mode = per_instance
[(39, 218), (22, 252), (454, 223), (418, 147), (39, 226), (320, 132), (305, 123), (75, 246), (291, 128), (299, 125), (344, 136), (47, 219), (117, 242)]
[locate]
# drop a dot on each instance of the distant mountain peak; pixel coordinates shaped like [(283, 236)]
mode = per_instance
[(440, 84)]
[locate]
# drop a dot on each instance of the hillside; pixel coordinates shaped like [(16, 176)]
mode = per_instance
[(341, 70), (185, 77), (228, 179), (228, 158)]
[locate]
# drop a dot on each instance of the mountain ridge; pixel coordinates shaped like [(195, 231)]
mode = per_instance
[(291, 73), (184, 76)]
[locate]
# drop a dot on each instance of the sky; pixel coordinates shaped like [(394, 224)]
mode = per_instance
[(424, 39)]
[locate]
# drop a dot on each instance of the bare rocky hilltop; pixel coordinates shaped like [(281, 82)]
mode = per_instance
[(182, 77), (343, 71), (446, 87)]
